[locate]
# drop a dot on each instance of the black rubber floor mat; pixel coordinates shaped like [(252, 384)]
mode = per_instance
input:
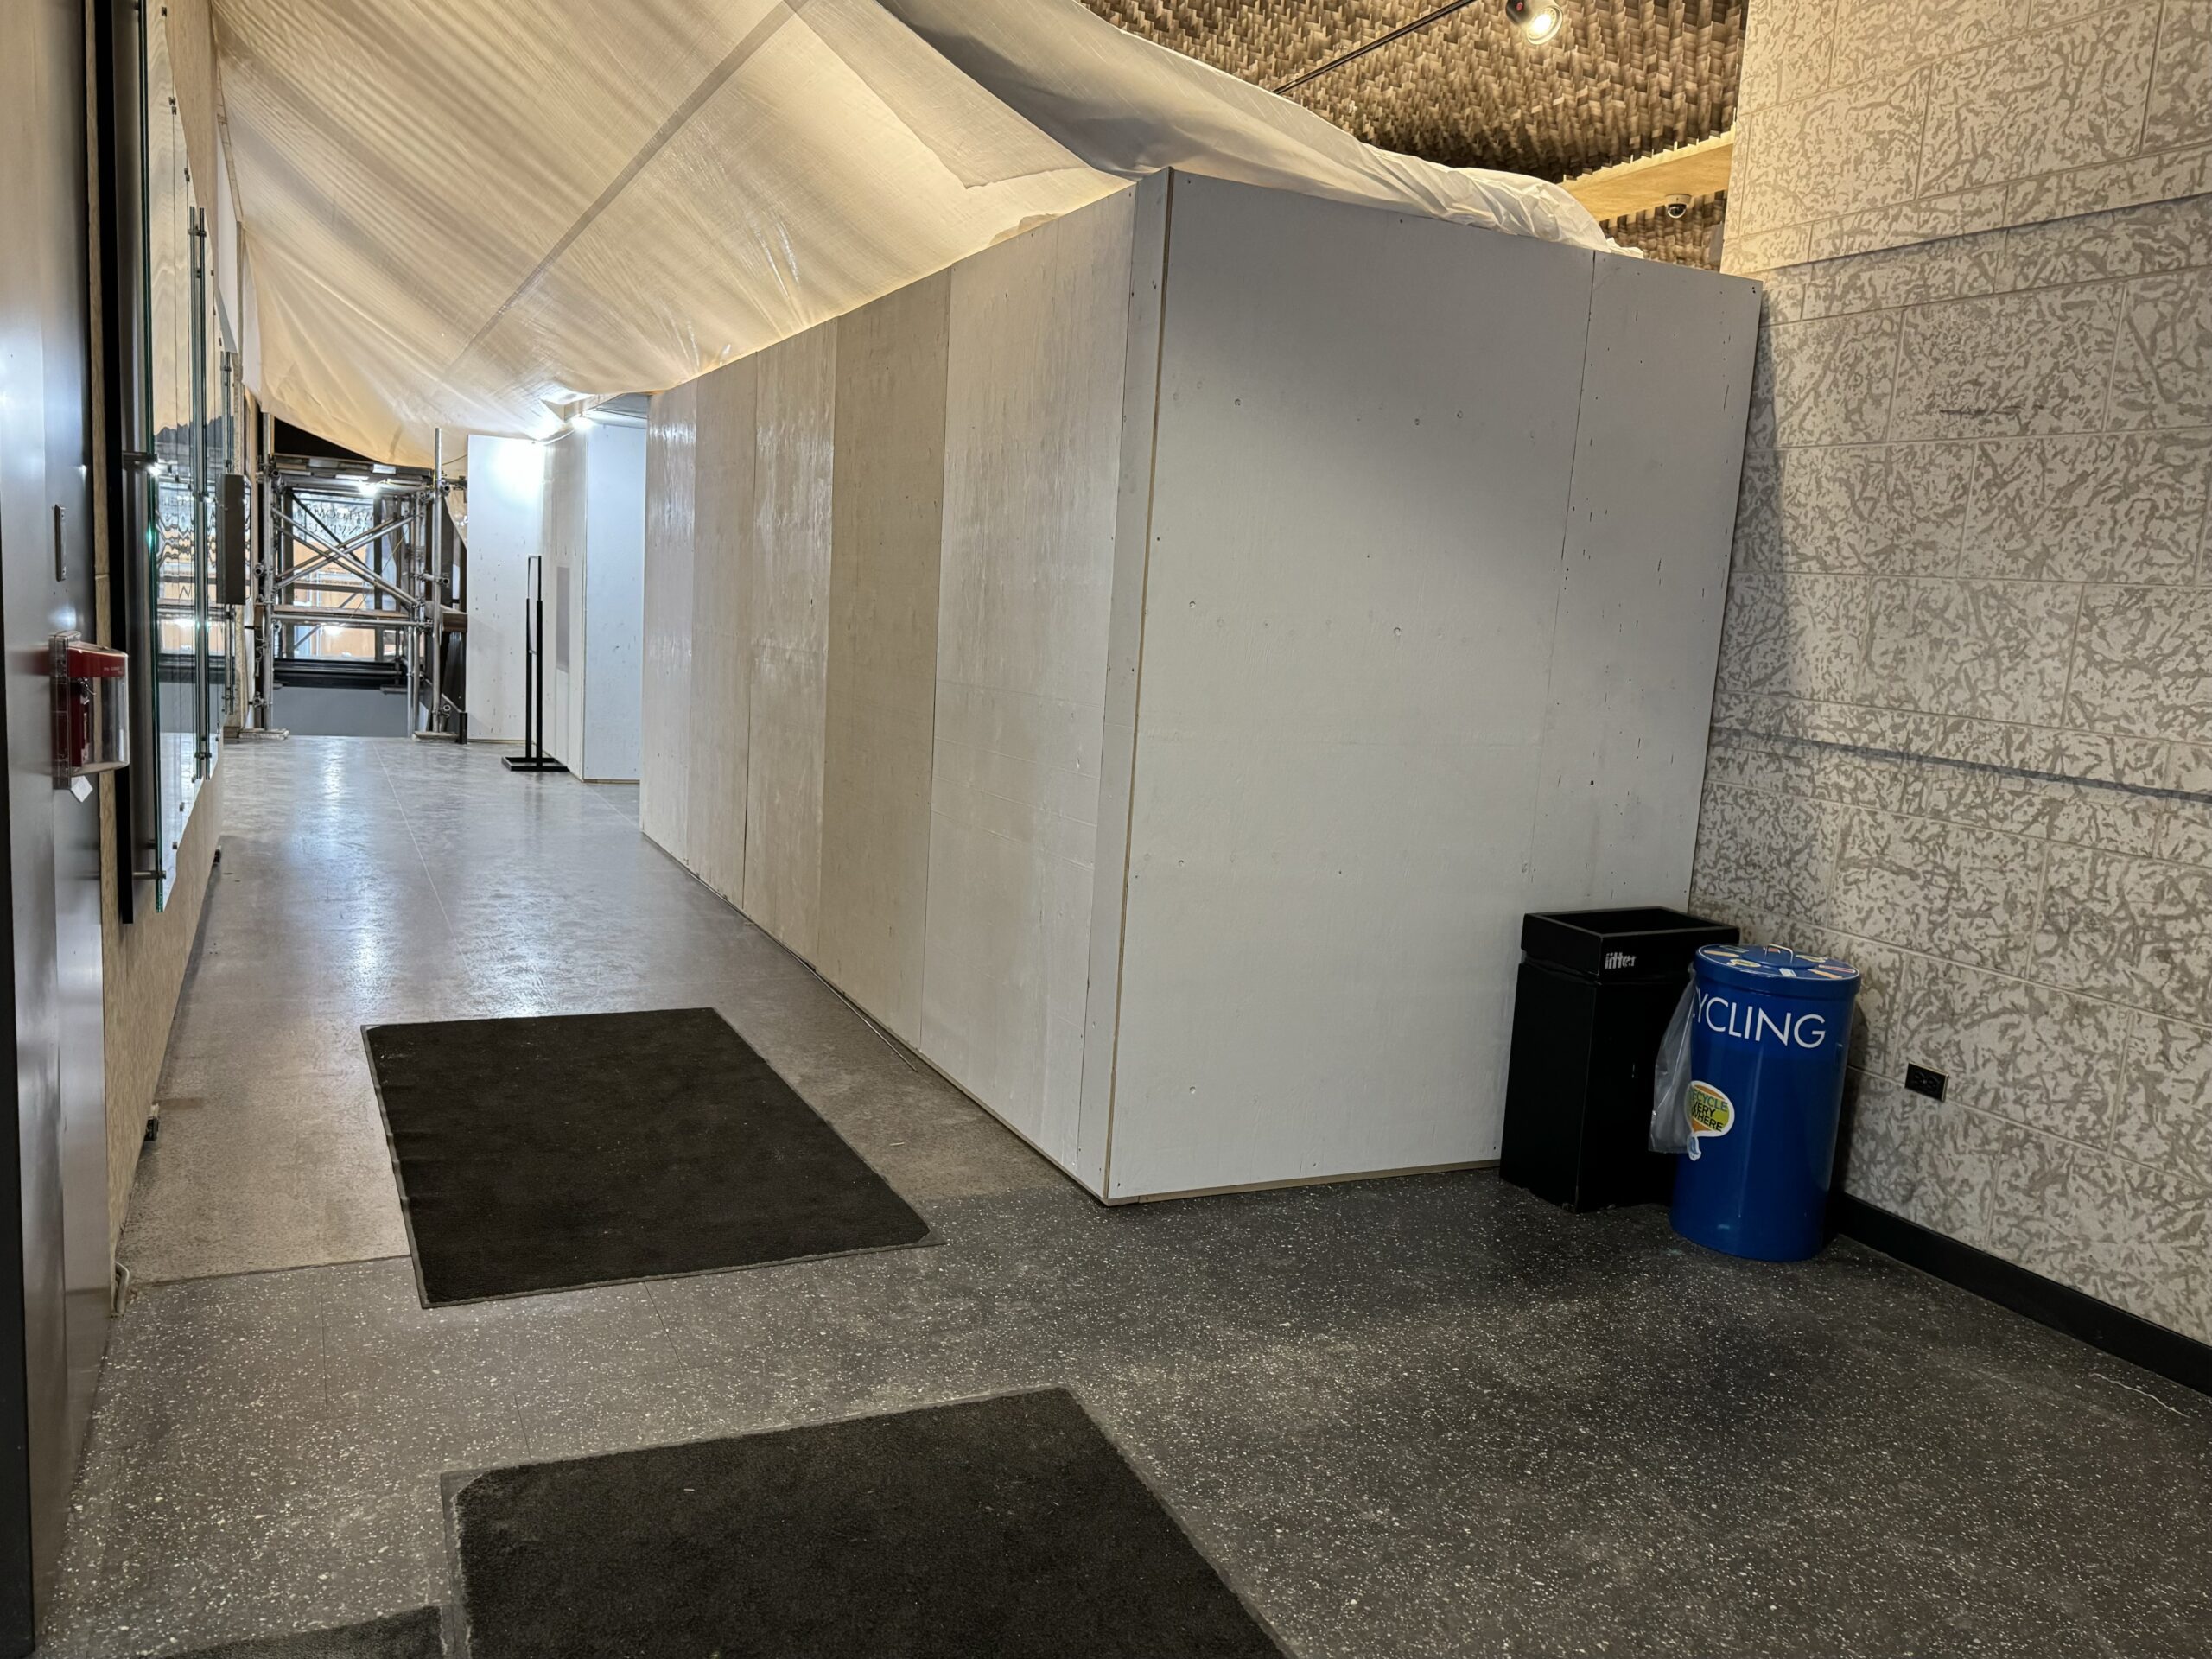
[(404, 1636), (1008, 1527), (586, 1149)]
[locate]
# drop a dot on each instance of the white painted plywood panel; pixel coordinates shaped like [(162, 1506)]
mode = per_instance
[(1033, 441), (1125, 628), (721, 636), (796, 389), (568, 532), (1658, 450), (665, 707), (505, 505), (886, 513), (1366, 434), (613, 600)]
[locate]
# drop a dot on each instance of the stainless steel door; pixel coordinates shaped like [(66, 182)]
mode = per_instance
[(57, 1282)]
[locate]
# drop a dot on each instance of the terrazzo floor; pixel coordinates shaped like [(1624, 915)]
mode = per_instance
[(1422, 1416)]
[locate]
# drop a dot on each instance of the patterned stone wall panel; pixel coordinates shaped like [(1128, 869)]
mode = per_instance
[(1914, 123), (2181, 83), (2142, 662), (2013, 364), (1996, 650), (1964, 689), (2093, 508), (2162, 375), (2046, 1060), (1833, 378), (1965, 893), (2133, 1236), (2129, 930), (1799, 636), (2162, 1115), (2086, 86)]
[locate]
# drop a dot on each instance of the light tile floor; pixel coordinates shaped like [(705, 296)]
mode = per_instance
[(1427, 1416)]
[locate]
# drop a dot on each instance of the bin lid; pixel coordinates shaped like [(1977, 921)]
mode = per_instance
[(1778, 971)]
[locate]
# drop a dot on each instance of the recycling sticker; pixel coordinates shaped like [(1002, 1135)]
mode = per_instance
[(1711, 1113)]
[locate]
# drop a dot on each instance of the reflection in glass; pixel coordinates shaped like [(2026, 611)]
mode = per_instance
[(193, 398)]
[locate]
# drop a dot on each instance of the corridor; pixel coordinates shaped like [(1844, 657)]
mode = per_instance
[(1406, 1417)]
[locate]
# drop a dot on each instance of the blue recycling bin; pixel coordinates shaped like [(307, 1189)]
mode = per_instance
[(1769, 1033)]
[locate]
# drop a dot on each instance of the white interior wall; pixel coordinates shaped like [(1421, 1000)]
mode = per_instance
[(565, 522), (670, 560), (887, 514), (718, 728), (613, 592), (1033, 453), (788, 609), (1281, 677), (1385, 697), (507, 483), (1643, 579)]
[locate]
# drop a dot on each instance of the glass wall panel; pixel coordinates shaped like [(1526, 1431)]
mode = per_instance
[(195, 428)]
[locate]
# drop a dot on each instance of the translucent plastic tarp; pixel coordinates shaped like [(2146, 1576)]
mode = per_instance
[(480, 214)]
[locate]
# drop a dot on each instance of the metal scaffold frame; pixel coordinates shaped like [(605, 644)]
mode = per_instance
[(398, 574)]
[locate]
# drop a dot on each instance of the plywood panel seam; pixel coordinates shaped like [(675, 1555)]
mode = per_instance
[(1136, 718), (1559, 584)]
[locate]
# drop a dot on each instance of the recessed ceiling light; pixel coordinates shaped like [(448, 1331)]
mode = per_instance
[(1537, 20)]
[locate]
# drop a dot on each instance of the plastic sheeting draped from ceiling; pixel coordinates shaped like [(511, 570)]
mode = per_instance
[(478, 214)]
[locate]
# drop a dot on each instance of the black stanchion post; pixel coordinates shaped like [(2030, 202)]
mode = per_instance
[(533, 757)]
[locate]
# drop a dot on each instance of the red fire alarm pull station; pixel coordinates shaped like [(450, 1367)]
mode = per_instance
[(92, 708)]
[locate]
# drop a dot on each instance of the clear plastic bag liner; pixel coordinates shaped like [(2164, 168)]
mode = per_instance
[(481, 215), (1670, 1082)]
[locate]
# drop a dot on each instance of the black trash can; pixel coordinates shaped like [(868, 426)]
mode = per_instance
[(1595, 991)]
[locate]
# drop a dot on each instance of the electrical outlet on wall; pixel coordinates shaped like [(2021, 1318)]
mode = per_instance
[(1923, 1080)]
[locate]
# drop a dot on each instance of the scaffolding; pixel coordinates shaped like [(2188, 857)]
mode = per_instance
[(361, 563)]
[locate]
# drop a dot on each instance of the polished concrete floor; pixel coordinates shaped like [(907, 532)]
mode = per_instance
[(1429, 1416)]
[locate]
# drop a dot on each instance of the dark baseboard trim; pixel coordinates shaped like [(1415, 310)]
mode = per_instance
[(2181, 1359)]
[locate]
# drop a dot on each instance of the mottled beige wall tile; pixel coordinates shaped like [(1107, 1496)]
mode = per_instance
[(2163, 376), (2007, 366), (2091, 508), (2181, 84), (2063, 98), (2044, 1059), (1833, 378), (2163, 1116), (1884, 509), (2142, 662), (1964, 894), (1763, 853), (2127, 242), (1851, 151), (2128, 930), (1993, 649), (1885, 41), (2137, 1238), (1795, 635), (1965, 681), (2166, 177), (1918, 1159), (2028, 1194)]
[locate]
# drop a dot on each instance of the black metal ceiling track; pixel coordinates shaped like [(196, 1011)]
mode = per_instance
[(1375, 45)]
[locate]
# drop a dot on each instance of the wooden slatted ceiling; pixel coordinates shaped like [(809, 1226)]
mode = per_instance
[(1625, 78)]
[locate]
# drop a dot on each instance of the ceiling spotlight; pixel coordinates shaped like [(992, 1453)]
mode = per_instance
[(1537, 20)]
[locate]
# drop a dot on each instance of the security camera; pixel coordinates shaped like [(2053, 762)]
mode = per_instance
[(1676, 207)]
